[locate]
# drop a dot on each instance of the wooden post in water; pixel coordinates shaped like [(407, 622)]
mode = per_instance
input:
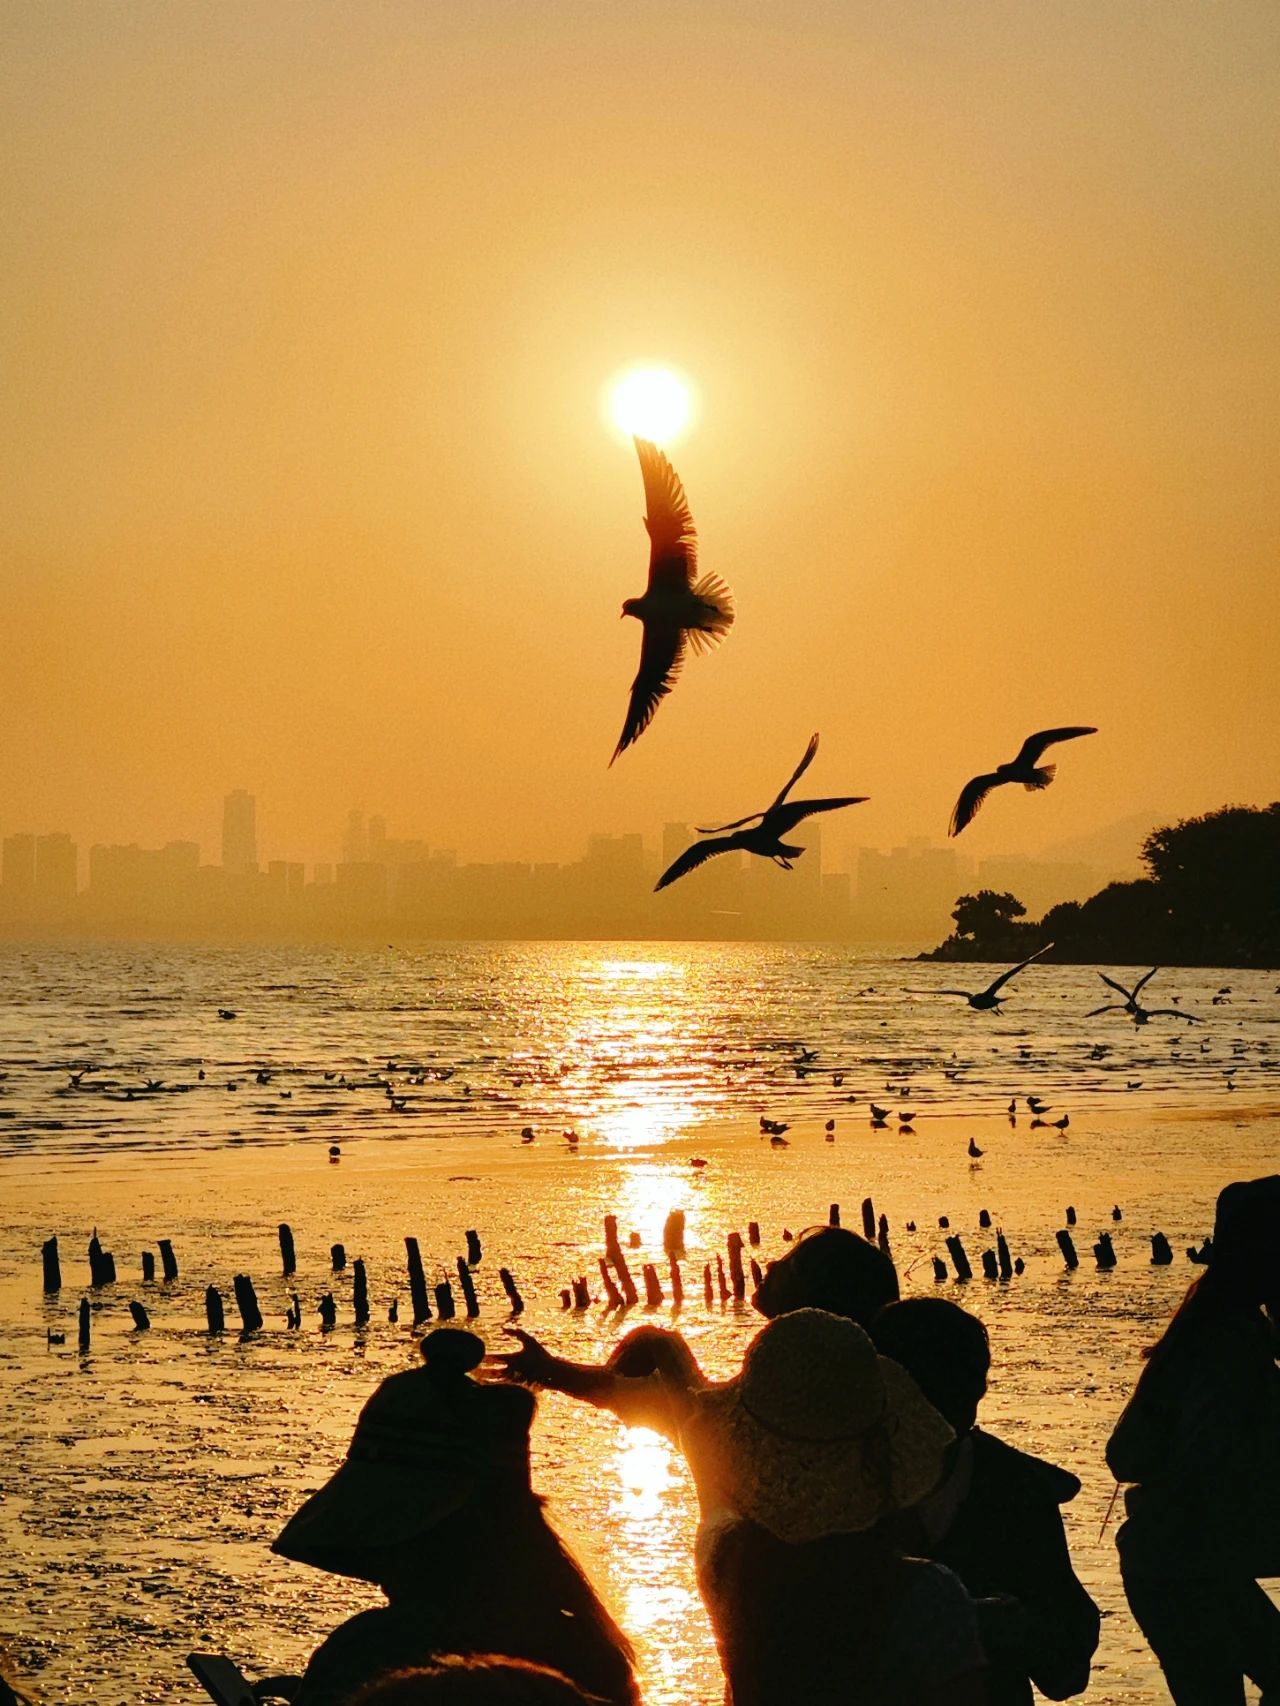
[(213, 1310), (148, 1266), (1002, 1255), (445, 1306), (1103, 1253), (247, 1304), (474, 1252), (566, 1299), (1161, 1253), (735, 1266), (360, 1292), (1071, 1215), (882, 1237), (652, 1289), (984, 1219), (757, 1278), (721, 1284), (141, 1319), (677, 1284), (468, 1285), (939, 1269), (959, 1260), (328, 1311), (708, 1296), (337, 1257), (581, 1293), (168, 1261), (612, 1296), (85, 1326), (99, 1271), (833, 1214), (673, 1236), (990, 1270), (868, 1220), (52, 1266), (288, 1259), (1068, 1249), (753, 1234), (417, 1283), (513, 1295), (293, 1312)]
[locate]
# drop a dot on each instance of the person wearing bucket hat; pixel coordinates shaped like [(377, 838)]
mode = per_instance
[(434, 1505), (1199, 1441)]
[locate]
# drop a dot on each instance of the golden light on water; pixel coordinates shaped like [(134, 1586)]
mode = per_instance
[(651, 402)]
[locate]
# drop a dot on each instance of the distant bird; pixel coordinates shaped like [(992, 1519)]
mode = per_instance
[(526, 1134), (1131, 1003), (905, 1119), (987, 999), (830, 1125), (1025, 768), (697, 1161), (1063, 1123), (1133, 1084), (1116, 1213), (571, 1138), (675, 607), (226, 1012), (1013, 1107), (1037, 1106), (879, 1114), (974, 1152), (769, 827), (837, 1078), (773, 1128), (806, 1055)]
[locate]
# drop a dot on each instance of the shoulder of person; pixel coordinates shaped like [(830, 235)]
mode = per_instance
[(1003, 1471)]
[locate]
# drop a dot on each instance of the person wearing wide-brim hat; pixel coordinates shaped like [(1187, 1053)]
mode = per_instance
[(1200, 1442), (434, 1504), (797, 1461)]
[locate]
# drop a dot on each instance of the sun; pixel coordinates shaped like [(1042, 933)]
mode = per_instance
[(651, 402)]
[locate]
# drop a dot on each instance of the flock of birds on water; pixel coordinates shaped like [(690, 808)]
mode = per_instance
[(681, 609)]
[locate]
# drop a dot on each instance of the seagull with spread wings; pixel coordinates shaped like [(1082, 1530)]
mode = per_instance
[(1131, 1003), (678, 607), (1025, 768), (985, 1000), (768, 828)]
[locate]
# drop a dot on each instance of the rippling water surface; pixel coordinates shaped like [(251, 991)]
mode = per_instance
[(142, 1483)]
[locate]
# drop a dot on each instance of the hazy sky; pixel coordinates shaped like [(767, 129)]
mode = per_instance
[(305, 314)]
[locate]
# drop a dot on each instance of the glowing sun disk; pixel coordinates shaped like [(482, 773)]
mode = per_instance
[(651, 402)]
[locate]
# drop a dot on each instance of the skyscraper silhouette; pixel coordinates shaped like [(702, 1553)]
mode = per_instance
[(239, 832)]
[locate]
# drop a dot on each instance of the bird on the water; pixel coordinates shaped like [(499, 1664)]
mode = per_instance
[(767, 828), (678, 607), (1025, 768), (974, 1152), (985, 1000)]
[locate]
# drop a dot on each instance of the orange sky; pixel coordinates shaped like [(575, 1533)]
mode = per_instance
[(305, 314)]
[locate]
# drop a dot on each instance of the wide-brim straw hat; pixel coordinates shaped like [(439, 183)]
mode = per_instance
[(425, 1443), (818, 1434)]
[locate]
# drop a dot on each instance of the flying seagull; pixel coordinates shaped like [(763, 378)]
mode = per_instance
[(768, 828), (1130, 995), (676, 605), (990, 997), (1025, 768)]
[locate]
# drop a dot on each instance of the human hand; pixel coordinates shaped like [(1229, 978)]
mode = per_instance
[(532, 1365)]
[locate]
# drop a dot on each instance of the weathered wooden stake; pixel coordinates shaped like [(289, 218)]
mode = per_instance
[(721, 1284), (652, 1289), (141, 1319), (757, 1278), (1068, 1249), (247, 1304), (673, 1236), (581, 1293), (939, 1269), (168, 1261), (287, 1257), (474, 1252), (868, 1220), (882, 1236), (1103, 1253), (959, 1260), (833, 1214), (566, 1299), (677, 1284), (708, 1295), (612, 1296), (1071, 1215), (293, 1312), (1002, 1255), (148, 1266), (984, 1218), (469, 1303), (101, 1267), (446, 1309), (513, 1295), (990, 1270), (1161, 1253), (630, 1295), (417, 1283), (753, 1234), (52, 1266), (214, 1313), (360, 1292), (85, 1325), (328, 1311), (338, 1257), (735, 1266)]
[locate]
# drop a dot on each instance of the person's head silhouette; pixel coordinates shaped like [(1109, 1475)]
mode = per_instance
[(830, 1268), (943, 1348)]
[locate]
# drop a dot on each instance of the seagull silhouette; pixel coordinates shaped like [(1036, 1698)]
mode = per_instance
[(1025, 768), (1130, 995), (676, 606), (768, 827), (990, 997)]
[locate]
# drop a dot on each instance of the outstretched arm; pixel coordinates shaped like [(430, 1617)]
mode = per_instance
[(644, 1383)]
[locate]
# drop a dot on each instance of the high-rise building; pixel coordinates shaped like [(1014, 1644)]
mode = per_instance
[(239, 832), (55, 867), (355, 843)]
